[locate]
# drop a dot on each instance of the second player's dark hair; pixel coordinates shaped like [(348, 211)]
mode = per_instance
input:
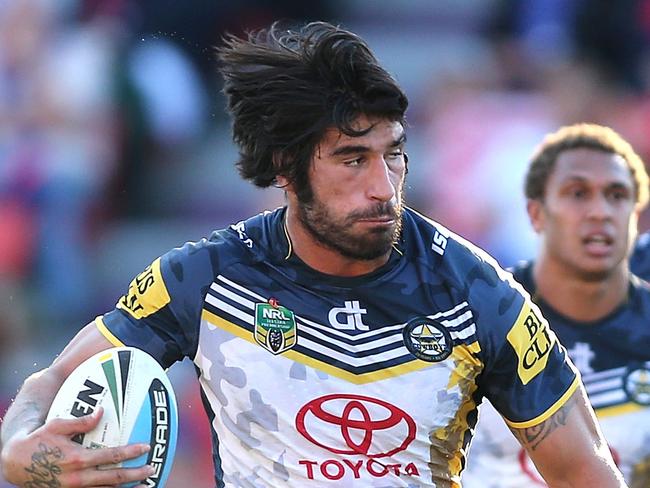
[(284, 88)]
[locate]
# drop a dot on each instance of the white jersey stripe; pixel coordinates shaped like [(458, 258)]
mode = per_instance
[(233, 296), (235, 312), (352, 361)]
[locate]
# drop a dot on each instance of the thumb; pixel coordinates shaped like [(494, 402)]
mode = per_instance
[(77, 425)]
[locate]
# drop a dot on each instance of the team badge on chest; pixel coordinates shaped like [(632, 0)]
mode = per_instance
[(637, 385), (275, 327), (427, 339)]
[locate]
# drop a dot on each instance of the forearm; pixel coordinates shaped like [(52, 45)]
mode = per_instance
[(29, 409), (602, 474), (569, 450)]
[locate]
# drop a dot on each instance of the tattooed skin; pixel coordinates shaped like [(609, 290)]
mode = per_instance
[(531, 437), (45, 468)]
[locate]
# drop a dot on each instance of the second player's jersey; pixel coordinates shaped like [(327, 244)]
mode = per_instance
[(613, 356), (640, 258), (317, 380)]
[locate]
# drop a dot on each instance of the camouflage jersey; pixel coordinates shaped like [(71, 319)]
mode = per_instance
[(368, 381), (613, 356)]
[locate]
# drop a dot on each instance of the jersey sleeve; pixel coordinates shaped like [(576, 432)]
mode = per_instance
[(161, 310), (527, 373)]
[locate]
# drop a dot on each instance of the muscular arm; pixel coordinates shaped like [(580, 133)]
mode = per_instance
[(38, 454), (569, 449)]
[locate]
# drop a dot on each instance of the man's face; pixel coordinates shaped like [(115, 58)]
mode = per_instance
[(588, 218), (356, 184)]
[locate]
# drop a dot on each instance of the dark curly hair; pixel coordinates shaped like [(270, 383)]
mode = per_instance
[(285, 87), (589, 136)]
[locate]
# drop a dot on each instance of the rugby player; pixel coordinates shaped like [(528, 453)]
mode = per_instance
[(343, 339)]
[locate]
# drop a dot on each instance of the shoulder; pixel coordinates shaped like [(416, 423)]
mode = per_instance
[(496, 299), (640, 295), (244, 241), (186, 271), (461, 263), (523, 273), (640, 258)]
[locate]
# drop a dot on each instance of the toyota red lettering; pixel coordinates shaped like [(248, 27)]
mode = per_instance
[(355, 425)]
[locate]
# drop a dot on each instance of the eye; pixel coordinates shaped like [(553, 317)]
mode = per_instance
[(395, 160), (619, 195), (578, 193), (353, 162)]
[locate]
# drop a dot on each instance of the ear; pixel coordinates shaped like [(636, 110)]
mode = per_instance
[(535, 210), (283, 183)]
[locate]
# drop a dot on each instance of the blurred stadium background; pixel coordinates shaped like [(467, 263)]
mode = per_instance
[(115, 147)]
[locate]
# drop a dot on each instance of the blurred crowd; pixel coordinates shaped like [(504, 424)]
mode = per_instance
[(115, 147)]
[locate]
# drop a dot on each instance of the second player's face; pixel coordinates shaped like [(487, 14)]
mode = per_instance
[(588, 217), (357, 185)]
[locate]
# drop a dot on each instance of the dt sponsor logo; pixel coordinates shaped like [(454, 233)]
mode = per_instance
[(362, 431), (352, 314)]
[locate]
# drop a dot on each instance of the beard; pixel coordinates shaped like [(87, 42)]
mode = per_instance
[(338, 233)]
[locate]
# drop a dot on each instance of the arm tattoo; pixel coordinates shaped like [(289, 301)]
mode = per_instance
[(531, 437), (45, 469)]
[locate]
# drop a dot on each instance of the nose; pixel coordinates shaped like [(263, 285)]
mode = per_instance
[(599, 207), (380, 184)]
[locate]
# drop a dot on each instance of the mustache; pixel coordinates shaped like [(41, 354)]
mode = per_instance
[(381, 210)]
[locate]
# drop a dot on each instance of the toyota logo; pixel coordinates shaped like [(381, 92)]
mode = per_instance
[(349, 424)]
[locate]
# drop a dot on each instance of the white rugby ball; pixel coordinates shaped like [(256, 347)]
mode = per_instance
[(139, 406)]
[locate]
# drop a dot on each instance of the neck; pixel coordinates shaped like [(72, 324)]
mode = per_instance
[(323, 258), (577, 297)]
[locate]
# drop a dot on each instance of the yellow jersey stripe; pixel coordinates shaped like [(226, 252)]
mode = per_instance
[(553, 408), (101, 326)]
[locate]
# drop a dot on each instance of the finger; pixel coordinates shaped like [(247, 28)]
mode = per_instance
[(112, 455), (77, 425), (107, 477)]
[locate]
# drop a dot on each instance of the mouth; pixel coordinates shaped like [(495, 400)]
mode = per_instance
[(382, 220), (598, 244)]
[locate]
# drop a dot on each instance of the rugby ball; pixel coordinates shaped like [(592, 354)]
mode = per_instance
[(139, 407)]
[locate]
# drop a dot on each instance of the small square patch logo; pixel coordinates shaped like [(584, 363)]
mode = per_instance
[(275, 327)]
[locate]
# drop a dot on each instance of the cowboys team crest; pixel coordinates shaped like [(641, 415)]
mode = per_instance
[(427, 339), (275, 327), (637, 385)]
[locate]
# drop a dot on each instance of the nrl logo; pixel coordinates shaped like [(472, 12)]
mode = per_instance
[(275, 327)]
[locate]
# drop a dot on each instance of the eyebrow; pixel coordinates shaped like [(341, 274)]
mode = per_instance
[(343, 150), (611, 184)]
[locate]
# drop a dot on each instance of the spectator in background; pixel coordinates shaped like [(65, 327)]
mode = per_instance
[(57, 146), (585, 188)]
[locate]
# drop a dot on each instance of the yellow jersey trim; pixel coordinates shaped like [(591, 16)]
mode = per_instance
[(553, 408), (357, 379), (101, 326)]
